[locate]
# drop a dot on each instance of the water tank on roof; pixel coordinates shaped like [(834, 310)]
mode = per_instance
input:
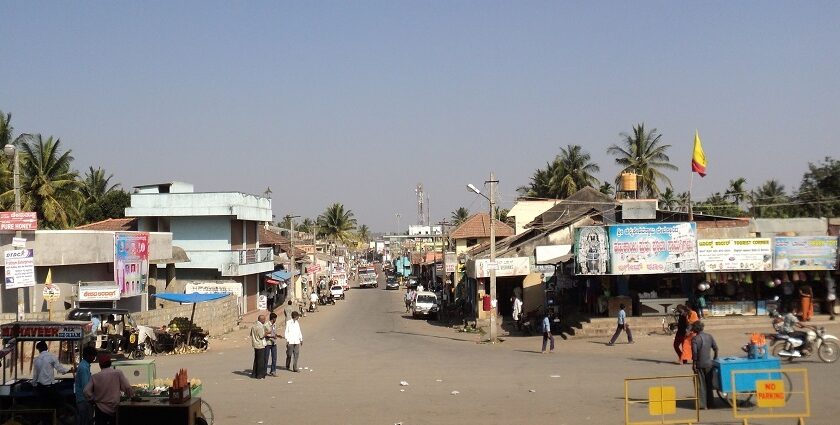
[(628, 182)]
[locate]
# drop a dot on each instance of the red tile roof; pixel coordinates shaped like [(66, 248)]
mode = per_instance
[(267, 237), (112, 224), (478, 226)]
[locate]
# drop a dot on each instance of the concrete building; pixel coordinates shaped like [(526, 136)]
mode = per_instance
[(525, 210), (219, 231), (476, 230)]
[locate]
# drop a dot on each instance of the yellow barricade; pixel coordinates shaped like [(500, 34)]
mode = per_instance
[(661, 400), (775, 394)]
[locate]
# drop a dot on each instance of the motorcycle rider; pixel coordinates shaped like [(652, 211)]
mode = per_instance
[(789, 325)]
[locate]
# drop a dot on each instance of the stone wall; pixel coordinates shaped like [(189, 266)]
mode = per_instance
[(217, 317)]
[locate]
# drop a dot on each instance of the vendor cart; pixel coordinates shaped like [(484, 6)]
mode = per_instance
[(151, 399), (19, 402), (745, 383), (191, 338)]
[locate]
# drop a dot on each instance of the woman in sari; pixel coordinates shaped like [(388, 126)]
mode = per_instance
[(806, 302), (691, 318), (682, 329)]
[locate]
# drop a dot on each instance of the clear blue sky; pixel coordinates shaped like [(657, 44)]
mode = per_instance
[(356, 102)]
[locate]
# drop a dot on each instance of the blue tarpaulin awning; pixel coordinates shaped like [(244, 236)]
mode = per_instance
[(281, 275), (189, 298)]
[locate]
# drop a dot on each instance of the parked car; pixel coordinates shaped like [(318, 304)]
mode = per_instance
[(391, 283), (337, 292), (425, 304)]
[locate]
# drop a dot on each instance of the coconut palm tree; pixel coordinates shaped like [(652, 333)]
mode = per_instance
[(540, 185), (575, 171), (764, 197), (607, 188), (306, 225), (736, 191), (95, 185), (6, 167), (460, 215), (668, 199), (644, 154), (336, 223), (49, 186), (363, 233)]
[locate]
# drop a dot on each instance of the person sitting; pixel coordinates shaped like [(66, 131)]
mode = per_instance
[(790, 324)]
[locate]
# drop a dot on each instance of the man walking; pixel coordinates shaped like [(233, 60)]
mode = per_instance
[(104, 391), (271, 343), (407, 299), (294, 340), (547, 336), (622, 325), (702, 346), (287, 313), (258, 342), (84, 410)]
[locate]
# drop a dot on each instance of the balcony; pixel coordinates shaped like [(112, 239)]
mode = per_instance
[(234, 262)]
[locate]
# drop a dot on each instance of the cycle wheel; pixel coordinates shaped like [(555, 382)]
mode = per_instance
[(207, 412), (829, 351)]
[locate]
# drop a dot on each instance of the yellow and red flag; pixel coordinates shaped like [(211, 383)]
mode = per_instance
[(698, 160)]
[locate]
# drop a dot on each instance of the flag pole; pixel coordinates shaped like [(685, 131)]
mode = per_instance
[(690, 186)]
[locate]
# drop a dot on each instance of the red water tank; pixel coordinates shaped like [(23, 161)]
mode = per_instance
[(485, 303)]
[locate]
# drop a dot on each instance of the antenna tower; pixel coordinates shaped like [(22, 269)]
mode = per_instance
[(421, 211)]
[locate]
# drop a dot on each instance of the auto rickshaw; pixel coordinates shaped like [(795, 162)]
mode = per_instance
[(113, 330)]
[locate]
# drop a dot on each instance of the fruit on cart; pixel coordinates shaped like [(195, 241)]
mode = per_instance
[(195, 382), (182, 325)]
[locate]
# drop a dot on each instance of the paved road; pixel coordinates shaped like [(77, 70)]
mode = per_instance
[(359, 350)]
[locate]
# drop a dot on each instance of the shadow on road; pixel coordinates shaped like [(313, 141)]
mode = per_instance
[(429, 336), (246, 372), (529, 351), (652, 361)]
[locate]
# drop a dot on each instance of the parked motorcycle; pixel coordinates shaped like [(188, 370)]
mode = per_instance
[(789, 347), (326, 298)]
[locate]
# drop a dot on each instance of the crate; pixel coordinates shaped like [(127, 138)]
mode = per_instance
[(745, 381)]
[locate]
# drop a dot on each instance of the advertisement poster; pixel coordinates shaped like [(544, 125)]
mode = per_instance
[(131, 262), (591, 255), (513, 266), (653, 248), (14, 221), (731, 255), (20, 268), (805, 253)]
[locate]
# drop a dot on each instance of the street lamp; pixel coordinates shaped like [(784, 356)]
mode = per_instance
[(12, 153), (492, 265)]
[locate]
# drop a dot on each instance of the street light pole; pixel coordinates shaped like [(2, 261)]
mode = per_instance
[(12, 153), (493, 302)]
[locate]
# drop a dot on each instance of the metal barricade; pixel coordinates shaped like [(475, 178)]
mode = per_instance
[(776, 394), (661, 400)]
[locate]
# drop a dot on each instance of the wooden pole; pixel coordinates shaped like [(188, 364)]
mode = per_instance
[(189, 332)]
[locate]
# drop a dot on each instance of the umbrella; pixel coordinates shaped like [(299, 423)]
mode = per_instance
[(192, 298)]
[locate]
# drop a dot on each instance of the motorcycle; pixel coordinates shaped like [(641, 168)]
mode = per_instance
[(326, 299), (789, 347)]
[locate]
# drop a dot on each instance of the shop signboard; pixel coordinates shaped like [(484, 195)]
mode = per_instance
[(234, 288), (505, 267), (43, 331), (451, 261), (591, 255), (805, 253), (131, 262), (653, 248), (20, 268), (98, 292), (14, 221), (730, 255)]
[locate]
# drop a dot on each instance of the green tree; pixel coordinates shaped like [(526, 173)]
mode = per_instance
[(770, 200), (459, 216), (306, 225), (48, 185), (7, 137), (718, 204), (501, 214), (540, 185), (607, 188), (736, 191), (668, 200), (95, 185), (644, 154), (110, 205), (819, 191), (363, 233), (337, 224), (571, 170)]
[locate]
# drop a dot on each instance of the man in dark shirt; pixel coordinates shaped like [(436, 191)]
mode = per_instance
[(702, 346)]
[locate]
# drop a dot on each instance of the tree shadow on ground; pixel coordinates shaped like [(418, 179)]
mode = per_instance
[(425, 335)]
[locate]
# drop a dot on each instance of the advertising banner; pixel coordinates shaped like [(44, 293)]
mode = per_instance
[(14, 221), (653, 248), (731, 255), (805, 253), (98, 293), (591, 256), (43, 331), (131, 262), (20, 268), (514, 266)]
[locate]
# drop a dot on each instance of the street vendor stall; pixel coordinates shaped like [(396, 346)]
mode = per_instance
[(197, 339), (18, 399)]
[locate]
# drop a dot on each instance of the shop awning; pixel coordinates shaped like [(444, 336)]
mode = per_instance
[(192, 298), (553, 254), (281, 275)]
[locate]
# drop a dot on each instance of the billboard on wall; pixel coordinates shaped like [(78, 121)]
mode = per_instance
[(805, 253), (14, 221), (131, 262), (729, 255), (513, 266), (653, 248), (20, 268), (591, 254)]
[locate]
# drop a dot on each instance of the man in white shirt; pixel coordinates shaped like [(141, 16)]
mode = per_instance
[(313, 301), (43, 371), (294, 340)]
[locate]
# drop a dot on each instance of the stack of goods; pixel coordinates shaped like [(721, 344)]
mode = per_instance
[(757, 348), (182, 325), (180, 390)]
